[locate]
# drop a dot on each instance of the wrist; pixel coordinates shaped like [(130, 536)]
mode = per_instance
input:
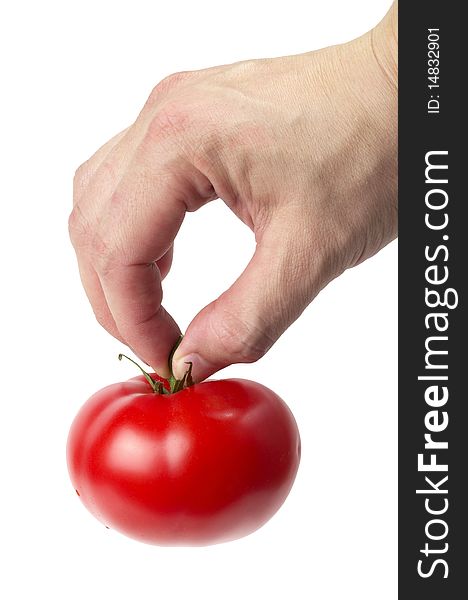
[(384, 40)]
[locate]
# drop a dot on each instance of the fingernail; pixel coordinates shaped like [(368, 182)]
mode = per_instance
[(201, 368)]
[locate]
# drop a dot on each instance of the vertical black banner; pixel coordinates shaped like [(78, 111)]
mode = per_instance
[(433, 330)]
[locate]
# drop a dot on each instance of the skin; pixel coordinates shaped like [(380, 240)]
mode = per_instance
[(303, 149)]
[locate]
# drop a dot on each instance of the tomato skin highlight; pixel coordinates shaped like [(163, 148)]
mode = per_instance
[(205, 465)]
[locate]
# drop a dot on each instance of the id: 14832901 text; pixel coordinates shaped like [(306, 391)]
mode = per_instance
[(433, 71)]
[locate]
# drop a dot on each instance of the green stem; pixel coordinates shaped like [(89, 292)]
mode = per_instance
[(155, 385), (176, 385)]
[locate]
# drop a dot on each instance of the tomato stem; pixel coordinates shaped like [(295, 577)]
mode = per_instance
[(155, 385), (186, 381), (175, 385)]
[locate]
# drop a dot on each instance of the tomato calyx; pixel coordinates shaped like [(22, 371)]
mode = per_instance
[(163, 386)]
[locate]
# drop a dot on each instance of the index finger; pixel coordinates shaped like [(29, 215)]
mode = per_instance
[(136, 229)]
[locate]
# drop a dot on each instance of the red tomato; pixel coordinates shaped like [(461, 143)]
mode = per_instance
[(210, 463)]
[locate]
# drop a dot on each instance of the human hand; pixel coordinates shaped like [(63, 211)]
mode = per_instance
[(302, 148)]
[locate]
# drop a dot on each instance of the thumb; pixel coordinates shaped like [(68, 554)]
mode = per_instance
[(240, 326)]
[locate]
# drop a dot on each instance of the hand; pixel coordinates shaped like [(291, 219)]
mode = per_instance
[(303, 149)]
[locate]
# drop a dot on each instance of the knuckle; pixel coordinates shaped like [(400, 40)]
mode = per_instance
[(80, 179), (167, 84), (90, 242), (78, 226), (245, 343), (105, 257)]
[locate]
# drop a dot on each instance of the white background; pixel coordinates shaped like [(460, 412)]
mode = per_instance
[(73, 74)]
